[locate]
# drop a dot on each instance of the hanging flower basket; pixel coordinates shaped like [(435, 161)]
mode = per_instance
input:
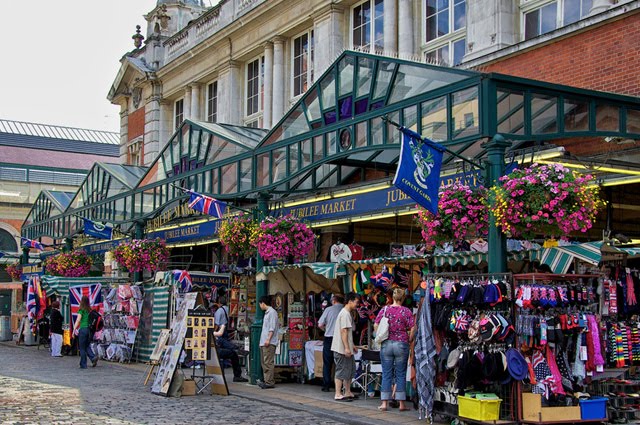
[(138, 255), (238, 235), (549, 200), (284, 237), (14, 271), (462, 214), (69, 264)]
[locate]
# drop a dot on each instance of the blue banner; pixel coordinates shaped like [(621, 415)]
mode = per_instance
[(97, 230), (418, 173), (29, 270), (102, 247), (189, 232)]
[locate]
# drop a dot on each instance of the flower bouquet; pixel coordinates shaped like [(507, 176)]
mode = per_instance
[(462, 214), (70, 264), (238, 235), (141, 254), (549, 200), (284, 237), (14, 271)]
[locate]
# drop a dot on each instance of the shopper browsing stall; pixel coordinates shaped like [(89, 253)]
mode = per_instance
[(81, 329), (344, 349), (327, 323)]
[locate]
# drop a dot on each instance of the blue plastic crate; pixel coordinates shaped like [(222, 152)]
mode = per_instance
[(593, 408)]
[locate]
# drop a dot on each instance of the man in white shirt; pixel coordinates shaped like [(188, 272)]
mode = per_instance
[(268, 341), (327, 323), (344, 349)]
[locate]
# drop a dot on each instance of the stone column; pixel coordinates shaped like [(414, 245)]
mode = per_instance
[(329, 37), (124, 130), (491, 26), (390, 27), (405, 28), (599, 6), (229, 94), (278, 81), (267, 112), (152, 118), (195, 101), (187, 103)]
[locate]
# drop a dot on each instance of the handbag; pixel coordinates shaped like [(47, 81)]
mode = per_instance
[(383, 328)]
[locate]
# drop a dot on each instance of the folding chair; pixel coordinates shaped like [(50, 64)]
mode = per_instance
[(369, 371)]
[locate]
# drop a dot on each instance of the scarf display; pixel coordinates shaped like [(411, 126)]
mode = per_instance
[(425, 353)]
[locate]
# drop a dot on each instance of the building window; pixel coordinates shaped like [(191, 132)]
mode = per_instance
[(255, 92), (368, 25), (444, 17), (178, 113), (542, 17), (302, 63), (450, 54), (212, 102), (134, 152)]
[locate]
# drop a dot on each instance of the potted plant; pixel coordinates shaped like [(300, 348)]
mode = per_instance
[(462, 214), (238, 235), (69, 264), (139, 255), (14, 271), (549, 200), (284, 237)]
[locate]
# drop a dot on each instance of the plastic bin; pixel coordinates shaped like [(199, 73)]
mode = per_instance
[(593, 408), (479, 410), (5, 328)]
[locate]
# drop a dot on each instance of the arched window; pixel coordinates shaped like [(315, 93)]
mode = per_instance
[(7, 242)]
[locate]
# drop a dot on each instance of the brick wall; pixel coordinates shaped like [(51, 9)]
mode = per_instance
[(135, 126)]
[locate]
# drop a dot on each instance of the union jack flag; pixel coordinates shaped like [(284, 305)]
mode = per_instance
[(206, 204), (28, 243), (93, 292), (184, 279), (36, 302)]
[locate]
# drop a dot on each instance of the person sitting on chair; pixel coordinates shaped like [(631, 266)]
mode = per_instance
[(226, 349)]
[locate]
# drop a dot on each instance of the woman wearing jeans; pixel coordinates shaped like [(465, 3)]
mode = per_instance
[(81, 329), (395, 350)]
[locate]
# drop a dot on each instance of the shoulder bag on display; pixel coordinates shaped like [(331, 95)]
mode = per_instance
[(383, 328)]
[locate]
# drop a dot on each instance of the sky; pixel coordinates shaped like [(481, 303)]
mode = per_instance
[(59, 59)]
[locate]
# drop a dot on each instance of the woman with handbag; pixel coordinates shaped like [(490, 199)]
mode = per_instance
[(395, 348)]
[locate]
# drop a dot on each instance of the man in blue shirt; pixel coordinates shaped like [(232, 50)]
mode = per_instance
[(226, 349), (327, 323)]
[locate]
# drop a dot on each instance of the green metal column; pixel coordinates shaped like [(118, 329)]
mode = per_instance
[(138, 234), (25, 256), (497, 254), (261, 290)]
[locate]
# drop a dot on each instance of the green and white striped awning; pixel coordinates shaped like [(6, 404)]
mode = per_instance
[(381, 260), (156, 299), (558, 260), (472, 257), (328, 270), (588, 252)]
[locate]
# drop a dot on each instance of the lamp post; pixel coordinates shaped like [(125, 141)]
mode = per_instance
[(496, 148), (261, 290)]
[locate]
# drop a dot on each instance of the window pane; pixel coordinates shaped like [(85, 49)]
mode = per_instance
[(328, 90), (571, 11), (245, 174), (439, 56), (410, 118), (230, 178), (531, 24), (361, 134), (576, 115), (212, 102), (331, 143), (385, 71), (607, 118), (510, 112), (633, 121), (345, 73), (279, 164), (306, 153), (432, 28), (365, 74), (313, 105), (379, 25), (548, 18), (434, 119), (544, 114), (465, 113), (459, 14), (459, 49), (443, 22), (262, 164), (318, 148), (377, 131)]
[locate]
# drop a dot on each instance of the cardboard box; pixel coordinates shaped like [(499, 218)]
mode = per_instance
[(317, 369), (189, 387), (533, 411)]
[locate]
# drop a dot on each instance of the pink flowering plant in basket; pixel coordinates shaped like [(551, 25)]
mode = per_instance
[(462, 214), (69, 264), (283, 237), (139, 255), (238, 235), (549, 200), (14, 271)]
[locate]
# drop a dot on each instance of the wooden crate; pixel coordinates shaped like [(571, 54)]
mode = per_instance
[(532, 410)]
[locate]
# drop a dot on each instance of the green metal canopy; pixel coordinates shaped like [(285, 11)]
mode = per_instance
[(335, 136), (49, 203)]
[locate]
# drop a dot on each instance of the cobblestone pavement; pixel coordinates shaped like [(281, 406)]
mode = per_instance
[(36, 388)]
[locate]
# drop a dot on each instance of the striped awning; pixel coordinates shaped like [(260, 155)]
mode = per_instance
[(380, 260), (328, 270), (471, 257), (588, 252), (557, 259)]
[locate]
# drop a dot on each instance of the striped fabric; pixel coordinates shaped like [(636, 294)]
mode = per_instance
[(588, 252), (282, 359), (381, 260), (328, 270), (465, 258), (557, 259), (156, 307)]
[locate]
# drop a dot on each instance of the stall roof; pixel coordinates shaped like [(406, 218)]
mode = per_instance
[(328, 270)]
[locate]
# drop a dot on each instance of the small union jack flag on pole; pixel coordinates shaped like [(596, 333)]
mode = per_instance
[(28, 243), (206, 204)]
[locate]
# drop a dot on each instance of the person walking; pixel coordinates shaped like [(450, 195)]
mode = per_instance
[(327, 323), (268, 342), (81, 329), (343, 348), (226, 349), (56, 329), (394, 353)]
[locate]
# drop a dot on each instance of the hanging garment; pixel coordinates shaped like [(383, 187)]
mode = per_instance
[(556, 385), (425, 353), (544, 376), (579, 370)]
